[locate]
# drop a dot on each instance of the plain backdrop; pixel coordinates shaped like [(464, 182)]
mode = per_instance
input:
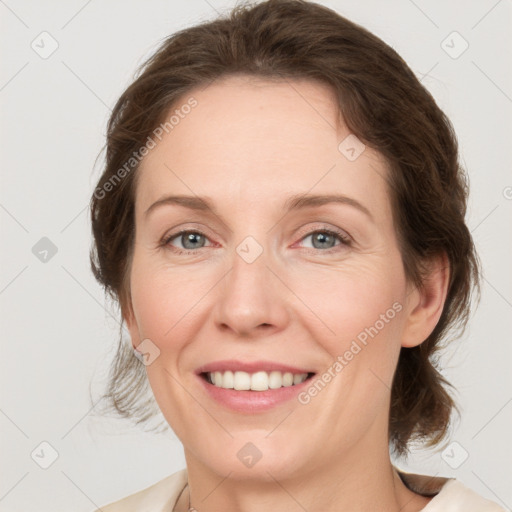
[(58, 334)]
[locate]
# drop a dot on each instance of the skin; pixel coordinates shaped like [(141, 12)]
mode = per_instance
[(249, 145)]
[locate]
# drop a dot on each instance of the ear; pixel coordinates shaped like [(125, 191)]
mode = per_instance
[(425, 304), (131, 324)]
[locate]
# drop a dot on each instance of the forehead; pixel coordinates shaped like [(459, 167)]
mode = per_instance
[(253, 139)]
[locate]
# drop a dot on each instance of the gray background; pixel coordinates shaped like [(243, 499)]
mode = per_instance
[(58, 334)]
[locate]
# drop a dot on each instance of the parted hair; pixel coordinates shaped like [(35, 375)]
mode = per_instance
[(381, 101)]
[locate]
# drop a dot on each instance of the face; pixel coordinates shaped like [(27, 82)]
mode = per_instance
[(252, 279)]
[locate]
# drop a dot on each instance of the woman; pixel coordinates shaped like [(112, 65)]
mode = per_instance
[(281, 218)]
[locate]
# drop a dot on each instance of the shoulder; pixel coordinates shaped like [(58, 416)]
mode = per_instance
[(159, 497), (455, 496), (448, 494)]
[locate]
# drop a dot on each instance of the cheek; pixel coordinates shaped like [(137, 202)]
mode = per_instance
[(163, 299), (357, 316), (165, 303), (343, 304)]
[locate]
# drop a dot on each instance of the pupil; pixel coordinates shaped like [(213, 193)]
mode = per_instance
[(190, 238), (322, 238)]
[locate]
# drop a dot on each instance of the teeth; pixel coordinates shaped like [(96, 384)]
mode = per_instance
[(227, 380), (259, 381), (275, 380), (242, 381), (297, 378)]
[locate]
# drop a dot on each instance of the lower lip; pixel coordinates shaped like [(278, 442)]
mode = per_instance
[(252, 401)]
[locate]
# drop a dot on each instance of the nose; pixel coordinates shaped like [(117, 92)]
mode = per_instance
[(252, 299)]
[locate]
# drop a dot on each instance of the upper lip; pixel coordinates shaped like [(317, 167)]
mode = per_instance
[(249, 367)]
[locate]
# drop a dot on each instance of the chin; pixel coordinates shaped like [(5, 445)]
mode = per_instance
[(258, 458)]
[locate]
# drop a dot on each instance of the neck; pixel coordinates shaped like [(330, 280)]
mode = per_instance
[(348, 481)]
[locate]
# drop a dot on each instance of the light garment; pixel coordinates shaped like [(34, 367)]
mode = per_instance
[(450, 495)]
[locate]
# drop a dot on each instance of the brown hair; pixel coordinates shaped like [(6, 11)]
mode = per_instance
[(382, 103)]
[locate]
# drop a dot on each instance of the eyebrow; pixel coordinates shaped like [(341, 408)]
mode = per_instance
[(293, 203)]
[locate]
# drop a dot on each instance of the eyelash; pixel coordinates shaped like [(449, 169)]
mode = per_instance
[(342, 237)]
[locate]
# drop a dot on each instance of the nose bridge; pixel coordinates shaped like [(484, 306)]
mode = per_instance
[(252, 247), (249, 278), (250, 295)]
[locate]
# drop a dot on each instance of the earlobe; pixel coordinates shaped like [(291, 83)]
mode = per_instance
[(131, 324), (426, 303)]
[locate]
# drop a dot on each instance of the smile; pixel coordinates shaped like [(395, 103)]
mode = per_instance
[(259, 381), (252, 387)]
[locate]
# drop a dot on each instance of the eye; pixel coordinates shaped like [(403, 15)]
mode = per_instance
[(325, 239), (190, 241)]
